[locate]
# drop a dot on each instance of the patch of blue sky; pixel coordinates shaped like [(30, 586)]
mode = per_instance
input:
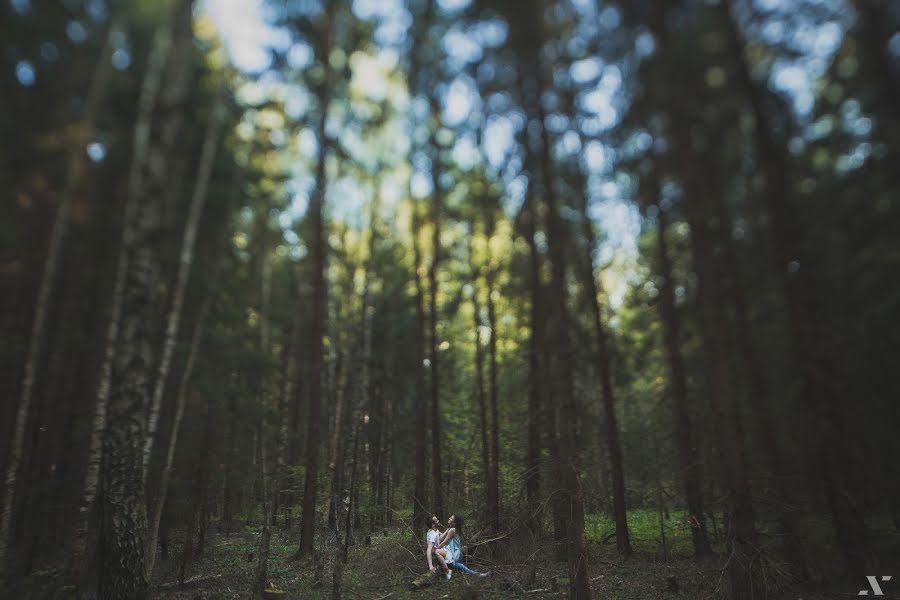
[(247, 37)]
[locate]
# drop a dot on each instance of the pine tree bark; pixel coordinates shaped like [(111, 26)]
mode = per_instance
[(436, 254), (421, 22), (691, 472), (319, 250), (614, 446), (421, 405)]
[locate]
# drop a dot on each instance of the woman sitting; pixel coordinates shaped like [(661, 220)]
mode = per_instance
[(449, 548)]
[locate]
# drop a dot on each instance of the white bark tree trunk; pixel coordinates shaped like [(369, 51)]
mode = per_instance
[(189, 239), (146, 105), (123, 528)]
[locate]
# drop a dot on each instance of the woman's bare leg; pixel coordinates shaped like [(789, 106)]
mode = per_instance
[(441, 555)]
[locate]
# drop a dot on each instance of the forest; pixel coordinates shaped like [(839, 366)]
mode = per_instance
[(608, 287)]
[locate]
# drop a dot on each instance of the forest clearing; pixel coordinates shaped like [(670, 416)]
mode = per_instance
[(395, 299)]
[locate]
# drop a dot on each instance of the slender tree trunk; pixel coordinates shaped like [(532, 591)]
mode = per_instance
[(185, 264), (353, 470), (267, 485), (614, 446), (436, 251), (75, 169), (690, 463), (421, 404), (371, 403), (479, 391), (536, 375), (495, 411), (156, 505), (319, 261), (419, 501), (124, 518), (198, 497), (334, 465)]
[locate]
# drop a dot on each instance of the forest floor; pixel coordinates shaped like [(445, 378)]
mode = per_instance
[(385, 566)]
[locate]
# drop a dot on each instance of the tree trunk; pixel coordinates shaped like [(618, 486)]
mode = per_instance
[(371, 403), (567, 408), (494, 480), (789, 526), (124, 517), (479, 391), (743, 564), (156, 504), (421, 405), (75, 169), (267, 485), (623, 543), (691, 474), (353, 470), (773, 160), (337, 452), (186, 261), (536, 374), (146, 107), (436, 251), (319, 247)]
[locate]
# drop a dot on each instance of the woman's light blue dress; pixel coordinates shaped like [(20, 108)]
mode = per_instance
[(454, 550)]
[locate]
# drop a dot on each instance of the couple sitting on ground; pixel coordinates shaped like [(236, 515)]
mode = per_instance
[(446, 547)]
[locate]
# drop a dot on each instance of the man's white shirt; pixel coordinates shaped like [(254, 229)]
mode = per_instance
[(434, 537)]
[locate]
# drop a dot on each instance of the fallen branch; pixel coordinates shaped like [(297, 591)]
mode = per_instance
[(197, 579)]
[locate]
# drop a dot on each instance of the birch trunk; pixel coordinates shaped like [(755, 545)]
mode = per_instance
[(146, 106), (75, 168), (124, 517), (189, 239)]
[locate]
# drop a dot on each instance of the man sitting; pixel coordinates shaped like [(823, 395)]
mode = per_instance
[(433, 538)]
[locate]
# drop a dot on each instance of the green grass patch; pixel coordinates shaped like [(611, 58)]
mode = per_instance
[(644, 528)]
